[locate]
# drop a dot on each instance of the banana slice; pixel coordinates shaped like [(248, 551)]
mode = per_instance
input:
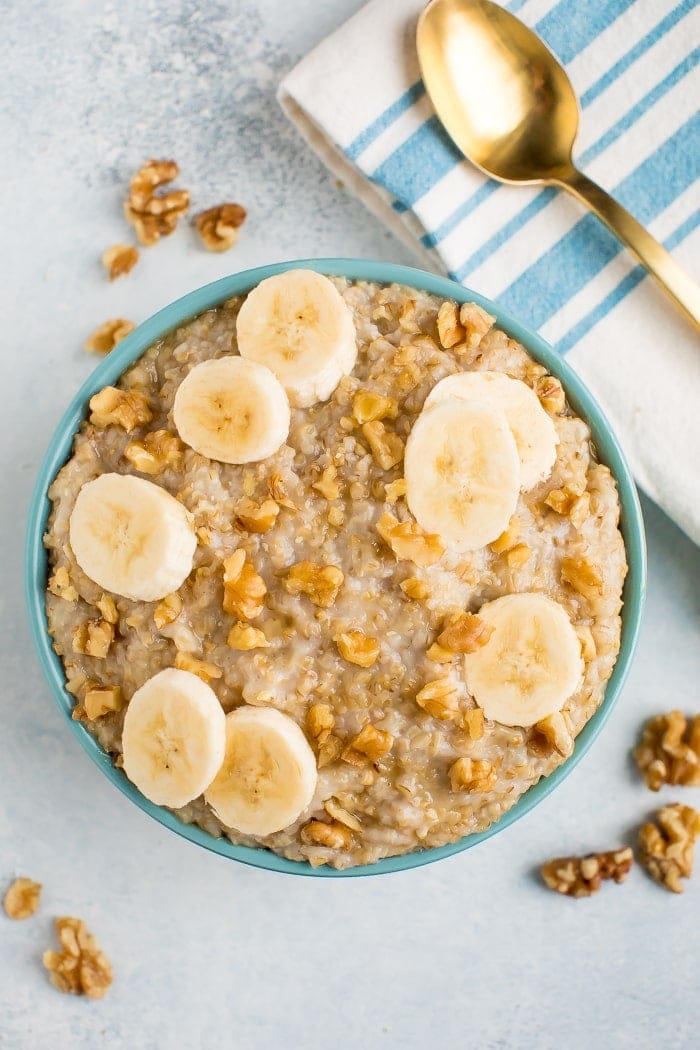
[(462, 473), (530, 665), (232, 410), (533, 430), (298, 324), (268, 776), (132, 537), (174, 738)]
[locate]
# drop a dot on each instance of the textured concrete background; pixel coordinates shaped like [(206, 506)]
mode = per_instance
[(471, 952)]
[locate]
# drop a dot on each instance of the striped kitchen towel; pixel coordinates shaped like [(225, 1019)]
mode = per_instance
[(359, 101)]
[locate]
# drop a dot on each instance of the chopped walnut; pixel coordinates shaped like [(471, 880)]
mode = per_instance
[(320, 583), (395, 490), (368, 407), (408, 541), (244, 590), (334, 835), (507, 539), (583, 576), (439, 698), (329, 751), (108, 608), (102, 700), (127, 409), (218, 227), (168, 610), (415, 588), (335, 517), (202, 668), (439, 655), (473, 721), (334, 809), (387, 447), (93, 638), (669, 751), (666, 848), (476, 323), (256, 517), (570, 504), (320, 722), (472, 774), (327, 484), (159, 450), (149, 177), (450, 330), (81, 968), (106, 336), (518, 555), (277, 492), (155, 215), (464, 633), (357, 648), (582, 876), (22, 899), (370, 742), (119, 259), (243, 636), (556, 730), (60, 585), (551, 394)]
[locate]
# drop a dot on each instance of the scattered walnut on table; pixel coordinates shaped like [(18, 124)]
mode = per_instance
[(666, 847), (106, 336), (244, 589), (22, 898), (357, 648), (120, 259), (202, 668), (320, 583), (370, 743), (156, 452), (60, 585), (583, 876), (439, 698), (81, 968), (155, 215), (669, 751), (472, 774), (369, 407), (127, 409), (464, 633), (243, 637), (408, 541), (219, 227), (102, 700)]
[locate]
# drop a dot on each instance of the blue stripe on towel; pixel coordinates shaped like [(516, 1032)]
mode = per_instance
[(567, 35), (421, 161), (571, 263), (545, 196), (622, 289), (384, 120)]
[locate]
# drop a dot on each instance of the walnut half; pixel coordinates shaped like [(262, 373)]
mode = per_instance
[(22, 899), (218, 227), (666, 847), (669, 751), (320, 583), (81, 968), (583, 876)]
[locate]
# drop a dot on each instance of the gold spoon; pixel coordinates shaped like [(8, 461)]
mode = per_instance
[(510, 108)]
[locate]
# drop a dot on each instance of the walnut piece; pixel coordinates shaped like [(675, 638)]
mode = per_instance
[(551, 394), (202, 668), (582, 876), (337, 812), (570, 504), (476, 323), (81, 968), (93, 638), (473, 721), (368, 407), (666, 848), (327, 484), (320, 583), (106, 336), (507, 539), (168, 610), (329, 751), (464, 633), (320, 722), (119, 259), (243, 636), (439, 655), (60, 585), (278, 493), (583, 576), (108, 608), (218, 227), (370, 742), (439, 698), (22, 898), (256, 517), (127, 409), (357, 648), (395, 490), (472, 774), (244, 590), (450, 330), (415, 588), (151, 214), (556, 730), (102, 700), (387, 447), (408, 541), (334, 835), (669, 751), (156, 452)]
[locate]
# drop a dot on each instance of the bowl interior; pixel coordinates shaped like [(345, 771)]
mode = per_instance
[(109, 370)]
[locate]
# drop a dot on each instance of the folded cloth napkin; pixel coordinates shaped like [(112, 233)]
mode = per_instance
[(359, 101)]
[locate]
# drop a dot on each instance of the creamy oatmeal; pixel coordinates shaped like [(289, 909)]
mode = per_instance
[(315, 592)]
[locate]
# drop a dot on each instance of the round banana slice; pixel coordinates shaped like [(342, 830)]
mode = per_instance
[(268, 776), (298, 324), (530, 665), (462, 473), (533, 430), (132, 537), (232, 410), (174, 738)]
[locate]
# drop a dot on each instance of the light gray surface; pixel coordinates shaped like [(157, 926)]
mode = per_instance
[(471, 952)]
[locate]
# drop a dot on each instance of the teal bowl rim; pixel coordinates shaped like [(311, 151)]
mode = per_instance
[(204, 298)]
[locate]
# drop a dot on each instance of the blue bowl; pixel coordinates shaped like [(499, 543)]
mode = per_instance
[(109, 370)]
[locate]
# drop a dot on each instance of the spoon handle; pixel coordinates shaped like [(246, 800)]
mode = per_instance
[(671, 277)]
